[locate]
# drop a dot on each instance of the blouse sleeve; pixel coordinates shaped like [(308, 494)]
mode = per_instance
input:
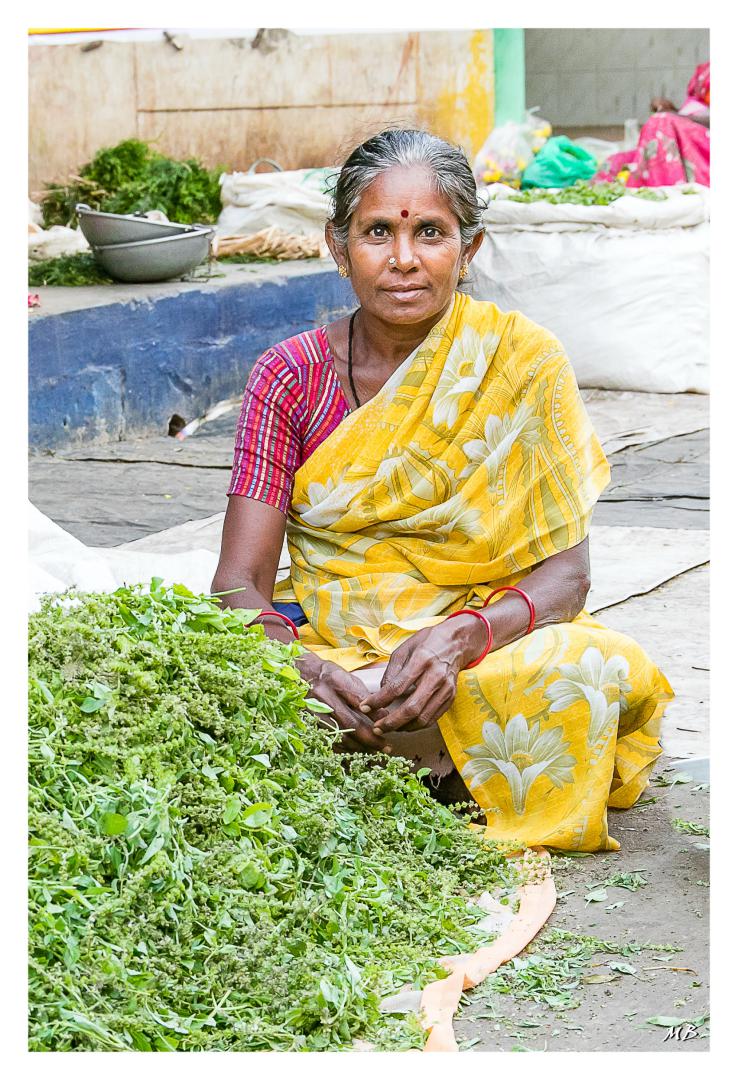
[(268, 435)]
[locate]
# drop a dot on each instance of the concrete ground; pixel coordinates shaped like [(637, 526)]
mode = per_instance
[(112, 494)]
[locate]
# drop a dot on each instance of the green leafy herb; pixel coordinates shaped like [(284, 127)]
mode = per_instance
[(78, 269), (206, 871), (690, 827), (81, 269), (585, 193), (133, 176)]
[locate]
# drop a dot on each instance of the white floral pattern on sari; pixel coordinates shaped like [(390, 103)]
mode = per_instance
[(521, 754), (468, 361), (588, 681)]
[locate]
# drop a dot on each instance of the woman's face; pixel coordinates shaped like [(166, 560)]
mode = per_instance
[(401, 215)]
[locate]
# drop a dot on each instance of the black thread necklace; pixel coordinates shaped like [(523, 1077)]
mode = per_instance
[(351, 358)]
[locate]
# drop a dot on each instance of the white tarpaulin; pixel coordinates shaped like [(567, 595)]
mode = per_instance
[(622, 418), (624, 287)]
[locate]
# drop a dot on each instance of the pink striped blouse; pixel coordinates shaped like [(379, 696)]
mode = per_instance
[(293, 400)]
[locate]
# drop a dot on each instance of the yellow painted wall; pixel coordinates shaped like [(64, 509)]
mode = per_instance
[(303, 100)]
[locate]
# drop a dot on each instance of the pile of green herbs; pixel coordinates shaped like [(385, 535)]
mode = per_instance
[(134, 176), (584, 193), (80, 269), (206, 871)]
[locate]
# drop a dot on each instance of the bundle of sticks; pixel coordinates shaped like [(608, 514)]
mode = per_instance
[(273, 243)]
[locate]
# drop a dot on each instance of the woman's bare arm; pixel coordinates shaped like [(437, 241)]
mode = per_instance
[(558, 588), (253, 533)]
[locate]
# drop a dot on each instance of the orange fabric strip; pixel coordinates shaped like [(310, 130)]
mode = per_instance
[(440, 999)]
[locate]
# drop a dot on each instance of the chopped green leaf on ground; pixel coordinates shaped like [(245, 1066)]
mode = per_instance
[(632, 881), (556, 966), (667, 780), (690, 827)]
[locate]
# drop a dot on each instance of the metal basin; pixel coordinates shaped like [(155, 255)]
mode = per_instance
[(99, 228), (160, 259)]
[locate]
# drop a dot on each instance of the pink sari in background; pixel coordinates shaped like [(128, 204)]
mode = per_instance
[(673, 148)]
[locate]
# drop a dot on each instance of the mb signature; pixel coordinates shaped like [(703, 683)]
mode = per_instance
[(682, 1033)]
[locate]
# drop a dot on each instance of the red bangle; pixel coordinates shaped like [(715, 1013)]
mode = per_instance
[(529, 602), (279, 615), (477, 615)]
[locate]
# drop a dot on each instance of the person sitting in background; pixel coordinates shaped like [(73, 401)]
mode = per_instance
[(674, 144)]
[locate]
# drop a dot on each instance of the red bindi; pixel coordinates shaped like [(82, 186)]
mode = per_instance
[(404, 213)]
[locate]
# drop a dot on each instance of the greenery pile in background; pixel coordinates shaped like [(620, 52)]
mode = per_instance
[(246, 257), (82, 269), (585, 193), (79, 269), (133, 176), (206, 873)]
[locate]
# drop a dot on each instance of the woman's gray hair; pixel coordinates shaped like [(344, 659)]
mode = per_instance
[(409, 148)]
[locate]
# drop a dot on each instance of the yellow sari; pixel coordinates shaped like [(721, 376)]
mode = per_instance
[(475, 462)]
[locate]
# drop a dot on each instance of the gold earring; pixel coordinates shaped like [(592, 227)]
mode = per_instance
[(464, 271), (342, 271)]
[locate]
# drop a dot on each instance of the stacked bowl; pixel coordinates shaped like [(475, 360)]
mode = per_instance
[(134, 248)]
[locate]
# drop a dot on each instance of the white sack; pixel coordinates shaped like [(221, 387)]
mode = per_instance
[(54, 242), (295, 201), (627, 294), (35, 213)]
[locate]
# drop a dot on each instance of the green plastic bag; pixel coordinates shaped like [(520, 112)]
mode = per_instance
[(558, 164)]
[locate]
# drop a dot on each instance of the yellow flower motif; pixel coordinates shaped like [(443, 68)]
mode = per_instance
[(468, 360), (327, 502), (521, 754), (438, 523), (499, 436), (587, 681), (410, 472)]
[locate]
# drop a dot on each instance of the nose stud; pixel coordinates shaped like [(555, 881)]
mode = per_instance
[(392, 261)]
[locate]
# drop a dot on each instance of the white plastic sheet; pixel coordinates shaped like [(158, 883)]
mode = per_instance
[(59, 561)]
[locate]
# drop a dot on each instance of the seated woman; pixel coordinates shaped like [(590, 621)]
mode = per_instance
[(434, 467), (674, 144)]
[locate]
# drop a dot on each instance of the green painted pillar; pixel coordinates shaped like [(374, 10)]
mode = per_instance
[(509, 61)]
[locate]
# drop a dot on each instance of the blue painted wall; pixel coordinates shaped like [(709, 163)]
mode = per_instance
[(113, 371)]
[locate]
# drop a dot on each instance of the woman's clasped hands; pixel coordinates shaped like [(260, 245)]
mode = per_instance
[(420, 681)]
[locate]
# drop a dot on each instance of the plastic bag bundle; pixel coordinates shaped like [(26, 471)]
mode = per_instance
[(54, 242), (509, 149), (559, 164)]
